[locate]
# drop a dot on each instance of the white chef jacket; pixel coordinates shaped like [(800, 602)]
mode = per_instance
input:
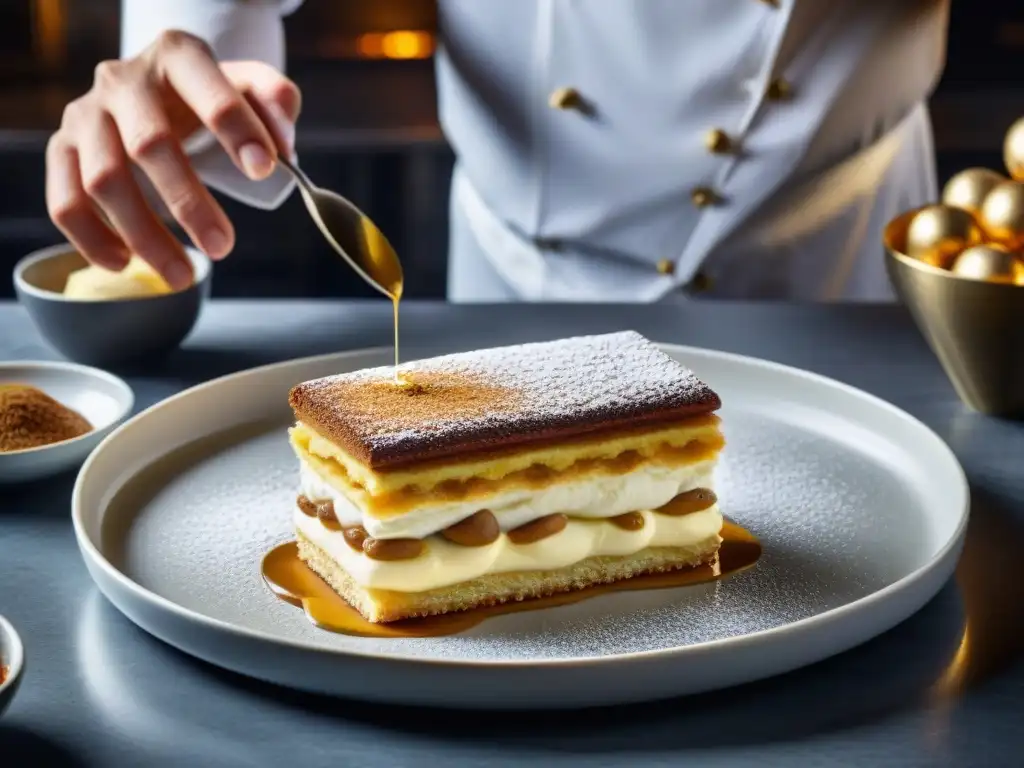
[(636, 151)]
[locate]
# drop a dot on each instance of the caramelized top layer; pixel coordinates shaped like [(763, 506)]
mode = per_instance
[(501, 398)]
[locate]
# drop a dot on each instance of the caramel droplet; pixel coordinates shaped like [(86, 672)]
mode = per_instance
[(407, 385), (538, 529), (306, 506), (392, 549), (477, 530), (325, 511), (689, 502), (631, 521), (355, 536)]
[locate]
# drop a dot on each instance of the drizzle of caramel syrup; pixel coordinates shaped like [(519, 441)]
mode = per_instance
[(395, 299), (362, 245), (292, 581)]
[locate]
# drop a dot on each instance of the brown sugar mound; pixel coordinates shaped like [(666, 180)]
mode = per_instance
[(30, 418)]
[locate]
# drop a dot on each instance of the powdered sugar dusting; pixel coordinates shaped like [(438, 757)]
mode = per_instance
[(502, 396)]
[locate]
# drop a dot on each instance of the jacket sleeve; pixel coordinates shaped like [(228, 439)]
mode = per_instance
[(234, 29)]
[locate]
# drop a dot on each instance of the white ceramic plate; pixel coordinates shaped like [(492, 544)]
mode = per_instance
[(102, 398), (861, 510)]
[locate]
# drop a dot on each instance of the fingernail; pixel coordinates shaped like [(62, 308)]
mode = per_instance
[(178, 275), (215, 242), (255, 161)]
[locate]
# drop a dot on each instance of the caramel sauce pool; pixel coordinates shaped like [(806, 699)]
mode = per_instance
[(290, 579)]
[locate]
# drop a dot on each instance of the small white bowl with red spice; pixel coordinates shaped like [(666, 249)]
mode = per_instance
[(12, 663), (52, 415)]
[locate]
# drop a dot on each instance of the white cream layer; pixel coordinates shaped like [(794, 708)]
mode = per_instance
[(444, 563), (647, 487)]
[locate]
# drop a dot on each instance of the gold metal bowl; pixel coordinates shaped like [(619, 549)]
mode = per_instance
[(975, 328)]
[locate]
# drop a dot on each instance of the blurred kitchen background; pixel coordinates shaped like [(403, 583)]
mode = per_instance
[(369, 128)]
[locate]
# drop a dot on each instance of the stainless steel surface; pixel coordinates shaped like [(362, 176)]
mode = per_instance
[(98, 691), (352, 234), (975, 327)]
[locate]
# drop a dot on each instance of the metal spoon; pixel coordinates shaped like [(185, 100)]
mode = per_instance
[(352, 234)]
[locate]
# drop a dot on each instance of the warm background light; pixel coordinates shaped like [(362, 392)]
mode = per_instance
[(397, 44), (50, 32)]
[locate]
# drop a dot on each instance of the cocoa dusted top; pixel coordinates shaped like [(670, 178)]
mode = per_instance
[(501, 398)]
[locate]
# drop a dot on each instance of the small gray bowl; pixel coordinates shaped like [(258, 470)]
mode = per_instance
[(12, 659), (107, 332)]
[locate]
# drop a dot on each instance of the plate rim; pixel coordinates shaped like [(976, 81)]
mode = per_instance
[(16, 659), (905, 583), (97, 373)]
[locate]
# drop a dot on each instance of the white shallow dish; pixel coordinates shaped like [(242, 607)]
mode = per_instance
[(12, 657), (861, 510), (102, 398)]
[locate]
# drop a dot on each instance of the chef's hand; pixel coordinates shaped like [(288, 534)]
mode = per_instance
[(137, 114)]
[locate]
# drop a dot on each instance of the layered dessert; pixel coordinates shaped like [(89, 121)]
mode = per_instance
[(505, 474)]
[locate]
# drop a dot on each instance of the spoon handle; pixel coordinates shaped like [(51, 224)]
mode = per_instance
[(298, 173)]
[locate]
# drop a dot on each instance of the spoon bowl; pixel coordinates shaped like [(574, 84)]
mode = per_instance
[(352, 234)]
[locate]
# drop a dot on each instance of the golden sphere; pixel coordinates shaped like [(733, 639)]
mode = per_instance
[(937, 233), (968, 188), (1013, 150), (990, 262), (1002, 214)]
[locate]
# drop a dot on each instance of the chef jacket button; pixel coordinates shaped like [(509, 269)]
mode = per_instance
[(779, 89), (703, 196), (700, 283), (666, 267), (565, 98), (717, 141)]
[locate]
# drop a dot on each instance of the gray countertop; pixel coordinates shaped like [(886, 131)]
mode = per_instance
[(98, 691)]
